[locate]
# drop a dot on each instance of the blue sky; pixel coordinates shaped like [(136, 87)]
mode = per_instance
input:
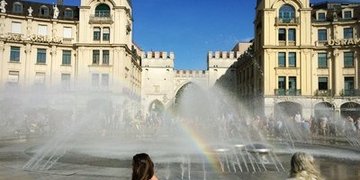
[(190, 28)]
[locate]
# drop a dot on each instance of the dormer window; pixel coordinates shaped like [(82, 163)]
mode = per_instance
[(348, 14), (287, 13), (17, 7), (68, 13), (44, 11), (102, 10), (321, 16)]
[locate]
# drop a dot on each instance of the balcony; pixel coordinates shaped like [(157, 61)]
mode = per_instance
[(101, 19), (327, 92), (287, 92), (291, 21), (351, 92)]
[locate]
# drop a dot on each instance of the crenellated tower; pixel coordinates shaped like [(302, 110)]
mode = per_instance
[(157, 77)]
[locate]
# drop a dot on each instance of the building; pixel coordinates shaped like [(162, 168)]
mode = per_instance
[(69, 49), (88, 51), (162, 83), (311, 65)]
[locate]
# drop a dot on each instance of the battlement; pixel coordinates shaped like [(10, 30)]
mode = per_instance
[(224, 55), (158, 55), (191, 73)]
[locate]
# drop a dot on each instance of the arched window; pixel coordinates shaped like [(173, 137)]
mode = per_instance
[(17, 7), (68, 13), (102, 10), (287, 13), (44, 11)]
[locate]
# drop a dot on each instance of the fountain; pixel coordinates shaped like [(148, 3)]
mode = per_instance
[(202, 136)]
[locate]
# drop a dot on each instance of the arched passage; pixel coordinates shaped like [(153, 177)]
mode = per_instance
[(191, 100), (324, 109), (350, 109), (156, 107), (287, 109)]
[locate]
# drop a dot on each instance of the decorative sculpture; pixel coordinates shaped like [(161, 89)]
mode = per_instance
[(56, 12), (30, 10), (3, 3)]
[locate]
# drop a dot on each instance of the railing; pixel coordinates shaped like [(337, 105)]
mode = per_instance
[(287, 92), (323, 92), (351, 92), (102, 19), (285, 21)]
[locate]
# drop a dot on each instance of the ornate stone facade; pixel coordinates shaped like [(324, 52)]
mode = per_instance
[(305, 58)]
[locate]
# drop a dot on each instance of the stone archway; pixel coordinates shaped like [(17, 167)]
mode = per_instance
[(190, 100), (324, 109), (350, 109), (287, 109), (156, 106)]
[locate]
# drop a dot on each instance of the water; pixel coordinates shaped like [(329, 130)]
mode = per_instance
[(201, 136)]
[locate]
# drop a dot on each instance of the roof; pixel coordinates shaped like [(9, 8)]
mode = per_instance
[(36, 6)]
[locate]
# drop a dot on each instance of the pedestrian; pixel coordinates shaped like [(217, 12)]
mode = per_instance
[(303, 167), (143, 167)]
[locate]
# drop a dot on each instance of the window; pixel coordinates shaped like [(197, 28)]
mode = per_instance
[(17, 7), (95, 80), (323, 83), (105, 57), (322, 60), (96, 56), (104, 80), (292, 85), (67, 32), (287, 13), (44, 11), (347, 14), (281, 59), (322, 34), (13, 77), (41, 56), (39, 78), (281, 85), (348, 86), (102, 10), (68, 13), (106, 34), (348, 33), (321, 16), (42, 30), (16, 27), (348, 59), (97, 34), (292, 59), (14, 54), (291, 35), (282, 34), (65, 81), (66, 57)]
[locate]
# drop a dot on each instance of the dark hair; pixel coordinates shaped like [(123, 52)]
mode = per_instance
[(143, 167)]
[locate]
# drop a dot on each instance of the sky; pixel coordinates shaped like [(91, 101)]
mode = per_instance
[(190, 28)]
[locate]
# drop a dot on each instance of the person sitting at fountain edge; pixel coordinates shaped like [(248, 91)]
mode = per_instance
[(303, 167), (143, 167)]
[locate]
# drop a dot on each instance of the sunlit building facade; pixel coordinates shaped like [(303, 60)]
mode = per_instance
[(305, 59), (69, 48)]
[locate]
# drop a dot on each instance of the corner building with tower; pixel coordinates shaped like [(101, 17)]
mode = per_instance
[(306, 59), (69, 49)]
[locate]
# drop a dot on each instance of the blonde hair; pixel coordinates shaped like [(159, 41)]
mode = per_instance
[(303, 166)]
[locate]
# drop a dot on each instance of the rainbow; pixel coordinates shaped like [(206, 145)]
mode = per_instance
[(201, 145)]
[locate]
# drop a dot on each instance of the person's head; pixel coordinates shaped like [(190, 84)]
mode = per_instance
[(143, 167), (303, 162)]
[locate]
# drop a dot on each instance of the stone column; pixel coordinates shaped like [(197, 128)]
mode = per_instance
[(53, 53), (28, 63), (2, 62)]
